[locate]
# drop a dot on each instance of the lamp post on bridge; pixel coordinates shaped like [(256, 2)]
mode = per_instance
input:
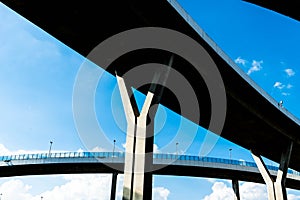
[(230, 153), (114, 148), (50, 148), (176, 148)]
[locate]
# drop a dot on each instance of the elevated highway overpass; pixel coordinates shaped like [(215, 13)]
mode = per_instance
[(288, 8), (253, 120), (111, 162)]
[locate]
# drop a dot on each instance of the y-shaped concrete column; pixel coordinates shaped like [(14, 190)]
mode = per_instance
[(266, 176), (130, 118), (277, 189), (134, 169)]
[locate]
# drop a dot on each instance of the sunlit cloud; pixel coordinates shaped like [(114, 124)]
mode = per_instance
[(256, 66), (76, 186), (282, 86), (253, 191), (239, 60), (155, 148), (289, 86), (220, 191), (248, 191), (290, 72), (285, 93), (278, 85), (160, 193)]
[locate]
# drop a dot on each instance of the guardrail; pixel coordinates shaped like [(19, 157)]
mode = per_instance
[(156, 156)]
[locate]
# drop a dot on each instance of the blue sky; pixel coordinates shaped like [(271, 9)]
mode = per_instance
[(37, 76)]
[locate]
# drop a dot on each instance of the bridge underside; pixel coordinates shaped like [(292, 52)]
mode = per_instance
[(288, 8), (252, 121), (173, 170)]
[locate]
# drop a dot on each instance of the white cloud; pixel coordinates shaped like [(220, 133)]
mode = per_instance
[(293, 197), (99, 149), (160, 193), (278, 85), (248, 191), (253, 191), (77, 187), (4, 150), (220, 192), (15, 189), (256, 66), (281, 86), (289, 86), (285, 94), (211, 180), (289, 72), (239, 60), (155, 148), (88, 186)]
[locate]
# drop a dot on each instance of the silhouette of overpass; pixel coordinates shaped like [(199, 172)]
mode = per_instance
[(288, 8), (110, 162), (253, 120)]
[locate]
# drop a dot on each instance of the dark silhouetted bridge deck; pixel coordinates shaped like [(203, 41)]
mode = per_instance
[(288, 8)]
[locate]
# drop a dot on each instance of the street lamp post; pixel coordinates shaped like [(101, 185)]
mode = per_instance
[(50, 148), (0, 196), (230, 153), (114, 148), (177, 148)]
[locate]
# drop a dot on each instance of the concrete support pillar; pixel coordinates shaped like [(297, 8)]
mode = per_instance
[(279, 184), (113, 186), (134, 169), (266, 176), (129, 151), (236, 189), (140, 147), (277, 189)]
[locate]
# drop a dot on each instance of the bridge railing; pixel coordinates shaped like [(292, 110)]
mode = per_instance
[(63, 155), (156, 156)]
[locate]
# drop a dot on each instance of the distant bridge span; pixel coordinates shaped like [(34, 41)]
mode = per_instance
[(109, 162)]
